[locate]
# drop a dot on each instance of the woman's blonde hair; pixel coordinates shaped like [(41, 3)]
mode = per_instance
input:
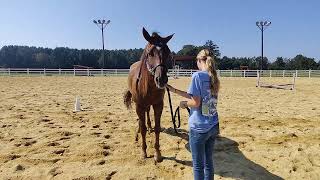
[(205, 55)]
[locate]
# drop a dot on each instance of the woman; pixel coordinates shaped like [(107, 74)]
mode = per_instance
[(202, 98)]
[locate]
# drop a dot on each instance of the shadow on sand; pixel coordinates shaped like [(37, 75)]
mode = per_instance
[(229, 160)]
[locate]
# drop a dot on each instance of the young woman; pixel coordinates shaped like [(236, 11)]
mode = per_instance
[(202, 98)]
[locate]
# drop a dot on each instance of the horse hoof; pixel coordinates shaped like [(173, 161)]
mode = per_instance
[(144, 155), (158, 158)]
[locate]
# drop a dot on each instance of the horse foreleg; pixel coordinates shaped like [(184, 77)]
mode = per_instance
[(143, 129), (148, 120), (137, 131), (157, 128)]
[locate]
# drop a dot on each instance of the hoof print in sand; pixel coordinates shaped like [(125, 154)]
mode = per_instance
[(59, 151), (29, 143), (106, 147), (14, 156), (107, 136), (95, 126), (84, 178), (55, 171), (110, 175), (53, 144), (19, 168), (105, 153), (96, 134)]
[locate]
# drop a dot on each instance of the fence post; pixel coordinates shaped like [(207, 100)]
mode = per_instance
[(270, 73), (244, 73), (9, 71), (59, 71), (296, 73), (88, 73), (231, 73), (28, 71), (116, 72), (283, 73), (74, 72), (309, 73), (44, 71)]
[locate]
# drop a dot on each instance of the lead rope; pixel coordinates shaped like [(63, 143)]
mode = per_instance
[(177, 112)]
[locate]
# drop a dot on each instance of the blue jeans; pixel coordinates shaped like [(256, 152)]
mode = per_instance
[(201, 145)]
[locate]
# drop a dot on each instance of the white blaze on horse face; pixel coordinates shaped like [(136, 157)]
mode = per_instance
[(160, 78), (157, 67)]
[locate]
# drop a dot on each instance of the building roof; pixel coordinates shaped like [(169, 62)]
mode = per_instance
[(184, 58), (81, 67)]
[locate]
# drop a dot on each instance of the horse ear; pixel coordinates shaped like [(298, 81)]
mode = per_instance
[(146, 35), (167, 39)]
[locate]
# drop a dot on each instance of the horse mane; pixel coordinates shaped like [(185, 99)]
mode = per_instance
[(144, 74)]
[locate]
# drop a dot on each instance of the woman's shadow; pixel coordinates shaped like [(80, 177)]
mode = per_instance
[(229, 161)]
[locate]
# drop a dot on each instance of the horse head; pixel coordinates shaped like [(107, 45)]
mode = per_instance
[(157, 55)]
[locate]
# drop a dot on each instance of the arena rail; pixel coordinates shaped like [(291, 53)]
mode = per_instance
[(172, 72)]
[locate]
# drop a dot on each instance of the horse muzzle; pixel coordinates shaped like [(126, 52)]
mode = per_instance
[(161, 82)]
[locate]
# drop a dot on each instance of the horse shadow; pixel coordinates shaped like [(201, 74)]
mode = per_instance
[(229, 161)]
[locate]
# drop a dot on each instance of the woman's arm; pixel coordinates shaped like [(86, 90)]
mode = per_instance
[(182, 93), (179, 92), (193, 102)]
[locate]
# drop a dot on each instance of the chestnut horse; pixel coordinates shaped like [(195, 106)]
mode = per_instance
[(146, 86)]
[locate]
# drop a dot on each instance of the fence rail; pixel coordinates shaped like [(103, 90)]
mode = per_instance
[(171, 72)]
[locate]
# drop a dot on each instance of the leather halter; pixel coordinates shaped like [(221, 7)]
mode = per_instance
[(151, 70)]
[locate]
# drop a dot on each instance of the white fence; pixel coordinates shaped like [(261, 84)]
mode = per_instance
[(172, 72)]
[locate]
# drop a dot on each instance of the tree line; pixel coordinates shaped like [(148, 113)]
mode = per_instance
[(63, 57)]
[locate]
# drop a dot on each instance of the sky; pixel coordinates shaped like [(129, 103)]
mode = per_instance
[(231, 24)]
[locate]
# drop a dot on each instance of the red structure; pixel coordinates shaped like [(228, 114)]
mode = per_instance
[(188, 61), (81, 67)]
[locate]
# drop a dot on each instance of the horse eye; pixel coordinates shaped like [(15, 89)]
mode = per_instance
[(151, 53)]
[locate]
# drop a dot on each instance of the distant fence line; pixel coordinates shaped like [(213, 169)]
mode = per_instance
[(171, 72)]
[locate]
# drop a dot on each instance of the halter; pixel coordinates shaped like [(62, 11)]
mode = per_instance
[(153, 70)]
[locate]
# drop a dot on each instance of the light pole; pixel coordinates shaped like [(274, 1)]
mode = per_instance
[(102, 24), (262, 25)]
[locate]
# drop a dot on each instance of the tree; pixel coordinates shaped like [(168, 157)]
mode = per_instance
[(301, 62), (225, 63), (42, 59), (188, 50), (278, 64), (213, 48), (62, 57)]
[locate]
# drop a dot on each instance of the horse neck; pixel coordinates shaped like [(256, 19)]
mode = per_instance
[(145, 79)]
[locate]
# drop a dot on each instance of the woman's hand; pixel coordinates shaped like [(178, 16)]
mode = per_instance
[(179, 92), (183, 104)]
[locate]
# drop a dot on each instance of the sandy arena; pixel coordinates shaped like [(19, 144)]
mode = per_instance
[(266, 133)]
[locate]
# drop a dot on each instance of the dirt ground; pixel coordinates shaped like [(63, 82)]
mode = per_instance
[(266, 133)]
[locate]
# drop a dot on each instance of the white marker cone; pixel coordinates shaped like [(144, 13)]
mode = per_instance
[(77, 106)]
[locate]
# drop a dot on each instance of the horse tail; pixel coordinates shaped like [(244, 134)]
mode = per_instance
[(127, 99)]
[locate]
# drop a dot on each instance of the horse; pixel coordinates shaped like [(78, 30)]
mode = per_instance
[(147, 80)]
